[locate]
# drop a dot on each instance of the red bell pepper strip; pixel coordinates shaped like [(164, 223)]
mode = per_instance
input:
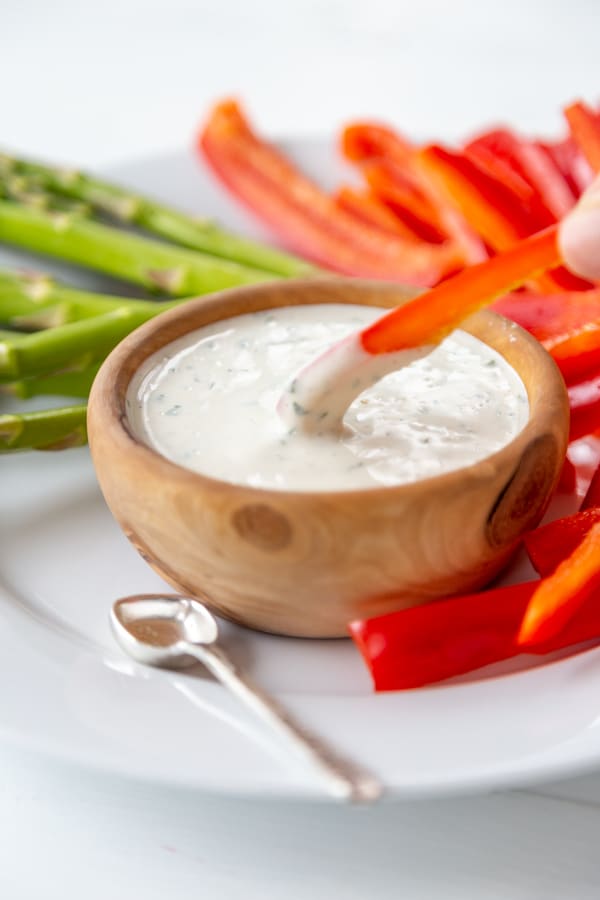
[(531, 163), (576, 353), (430, 316), (550, 194), (307, 218), (550, 315), (572, 164), (368, 208), (361, 141), (549, 545), (424, 644), (562, 322), (567, 482), (569, 326), (496, 202), (524, 194), (365, 142), (501, 170), (394, 186), (584, 403), (492, 207), (446, 638), (591, 501), (561, 280), (584, 125), (561, 594), (388, 170)]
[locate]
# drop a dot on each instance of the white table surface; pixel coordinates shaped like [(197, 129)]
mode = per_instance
[(96, 83)]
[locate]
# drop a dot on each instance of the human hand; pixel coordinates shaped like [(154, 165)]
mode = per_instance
[(579, 235)]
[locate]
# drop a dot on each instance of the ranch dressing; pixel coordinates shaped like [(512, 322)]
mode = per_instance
[(208, 402)]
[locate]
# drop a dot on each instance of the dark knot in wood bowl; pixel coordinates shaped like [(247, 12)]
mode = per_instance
[(524, 499), (263, 526)]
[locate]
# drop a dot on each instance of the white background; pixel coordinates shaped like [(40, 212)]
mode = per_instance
[(96, 82), (93, 84)]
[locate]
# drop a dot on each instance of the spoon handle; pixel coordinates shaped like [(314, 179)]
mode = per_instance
[(342, 778)]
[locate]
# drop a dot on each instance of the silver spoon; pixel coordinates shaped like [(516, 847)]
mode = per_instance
[(173, 631)]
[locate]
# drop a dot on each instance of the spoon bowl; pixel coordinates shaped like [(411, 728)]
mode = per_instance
[(307, 563), (154, 628)]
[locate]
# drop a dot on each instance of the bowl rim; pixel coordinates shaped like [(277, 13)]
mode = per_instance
[(107, 401)]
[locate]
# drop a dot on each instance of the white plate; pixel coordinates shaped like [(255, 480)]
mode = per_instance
[(67, 690)]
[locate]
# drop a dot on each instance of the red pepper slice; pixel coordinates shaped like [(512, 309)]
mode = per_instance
[(549, 545), (592, 498), (531, 163), (368, 208), (501, 170), (584, 403), (496, 202), (584, 124), (577, 353), (567, 482), (568, 324), (307, 218), (561, 280), (432, 315), (560, 595), (361, 141), (572, 164), (395, 187), (550, 194), (492, 207), (377, 147), (551, 315), (425, 644)]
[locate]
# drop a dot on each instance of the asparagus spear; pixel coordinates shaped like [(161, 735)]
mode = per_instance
[(31, 302), (129, 207), (73, 346), (62, 384), (51, 429), (30, 192), (155, 265)]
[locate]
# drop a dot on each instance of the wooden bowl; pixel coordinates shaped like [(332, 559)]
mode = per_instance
[(307, 563)]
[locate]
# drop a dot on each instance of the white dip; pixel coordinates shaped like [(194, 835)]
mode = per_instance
[(208, 402)]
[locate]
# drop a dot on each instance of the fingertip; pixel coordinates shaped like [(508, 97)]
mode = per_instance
[(579, 237)]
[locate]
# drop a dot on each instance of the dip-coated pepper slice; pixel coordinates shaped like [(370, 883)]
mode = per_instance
[(432, 315)]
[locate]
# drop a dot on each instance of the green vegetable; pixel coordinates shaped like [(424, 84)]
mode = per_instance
[(31, 302), (52, 429), (76, 383), (152, 264), (73, 346), (132, 208)]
